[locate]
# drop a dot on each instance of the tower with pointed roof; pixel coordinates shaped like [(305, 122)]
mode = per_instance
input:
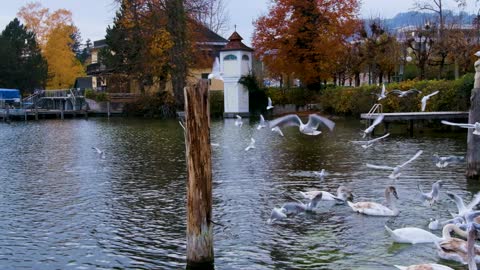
[(236, 61)]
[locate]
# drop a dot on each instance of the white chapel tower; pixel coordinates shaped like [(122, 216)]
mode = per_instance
[(236, 61)]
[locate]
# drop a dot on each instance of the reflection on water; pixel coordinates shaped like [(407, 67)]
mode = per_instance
[(65, 208)]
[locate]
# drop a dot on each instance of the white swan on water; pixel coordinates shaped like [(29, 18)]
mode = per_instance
[(376, 209), (424, 266)]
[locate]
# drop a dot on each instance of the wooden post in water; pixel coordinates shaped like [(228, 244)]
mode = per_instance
[(473, 141), (199, 177)]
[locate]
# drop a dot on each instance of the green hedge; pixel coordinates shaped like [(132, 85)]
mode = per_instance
[(454, 96), (216, 103)]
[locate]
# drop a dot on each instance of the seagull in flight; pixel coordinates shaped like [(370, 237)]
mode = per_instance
[(427, 97), (262, 123), (367, 144), (432, 196), (383, 93), (238, 121), (442, 162), (377, 121), (251, 145), (310, 128), (475, 126), (269, 105), (396, 171), (99, 152), (462, 209), (401, 93), (216, 74), (277, 130)]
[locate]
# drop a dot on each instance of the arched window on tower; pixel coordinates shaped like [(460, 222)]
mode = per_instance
[(230, 57), (245, 57)]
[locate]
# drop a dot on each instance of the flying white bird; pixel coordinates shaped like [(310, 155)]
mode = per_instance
[(238, 121), (216, 73), (442, 162), (462, 209), (99, 152), (475, 126), (277, 130), (269, 105), (366, 144), (432, 196), (251, 145), (262, 123), (377, 121), (310, 128), (396, 171), (427, 97), (401, 93), (383, 93)]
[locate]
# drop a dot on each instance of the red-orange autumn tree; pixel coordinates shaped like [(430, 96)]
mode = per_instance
[(304, 38)]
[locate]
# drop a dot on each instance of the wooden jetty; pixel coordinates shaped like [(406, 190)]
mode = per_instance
[(411, 117)]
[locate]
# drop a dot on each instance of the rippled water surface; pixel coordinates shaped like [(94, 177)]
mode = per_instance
[(63, 207)]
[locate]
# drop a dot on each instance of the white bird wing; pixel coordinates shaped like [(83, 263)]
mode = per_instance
[(278, 130), (412, 159), (215, 70), (98, 150), (432, 94), (238, 117), (285, 121), (474, 202), (458, 201), (269, 102), (377, 121), (458, 124), (379, 167), (383, 89), (262, 120), (314, 120), (379, 138)]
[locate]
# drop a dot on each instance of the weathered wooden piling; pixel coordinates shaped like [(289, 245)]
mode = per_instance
[(199, 177), (473, 141)]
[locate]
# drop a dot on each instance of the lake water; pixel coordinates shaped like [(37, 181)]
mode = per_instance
[(63, 207)]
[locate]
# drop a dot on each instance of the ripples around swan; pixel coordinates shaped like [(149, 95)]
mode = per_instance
[(65, 208)]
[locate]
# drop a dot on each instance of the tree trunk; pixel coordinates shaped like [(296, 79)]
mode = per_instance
[(199, 175), (177, 27), (473, 141)]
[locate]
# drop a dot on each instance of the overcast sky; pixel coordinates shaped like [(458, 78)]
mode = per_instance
[(93, 16)]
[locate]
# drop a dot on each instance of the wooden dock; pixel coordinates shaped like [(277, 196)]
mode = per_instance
[(411, 117), (25, 114)]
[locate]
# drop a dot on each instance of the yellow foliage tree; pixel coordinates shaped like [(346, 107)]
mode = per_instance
[(41, 21), (54, 32), (63, 66)]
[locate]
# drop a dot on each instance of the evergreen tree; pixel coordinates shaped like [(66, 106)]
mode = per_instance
[(23, 66)]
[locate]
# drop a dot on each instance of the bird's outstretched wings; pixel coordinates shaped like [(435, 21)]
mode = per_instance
[(412, 159), (285, 121), (458, 124), (379, 167), (314, 120)]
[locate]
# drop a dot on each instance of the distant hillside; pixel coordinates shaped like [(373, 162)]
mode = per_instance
[(419, 18)]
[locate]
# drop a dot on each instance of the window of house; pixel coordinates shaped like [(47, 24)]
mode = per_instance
[(230, 57), (245, 57)]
